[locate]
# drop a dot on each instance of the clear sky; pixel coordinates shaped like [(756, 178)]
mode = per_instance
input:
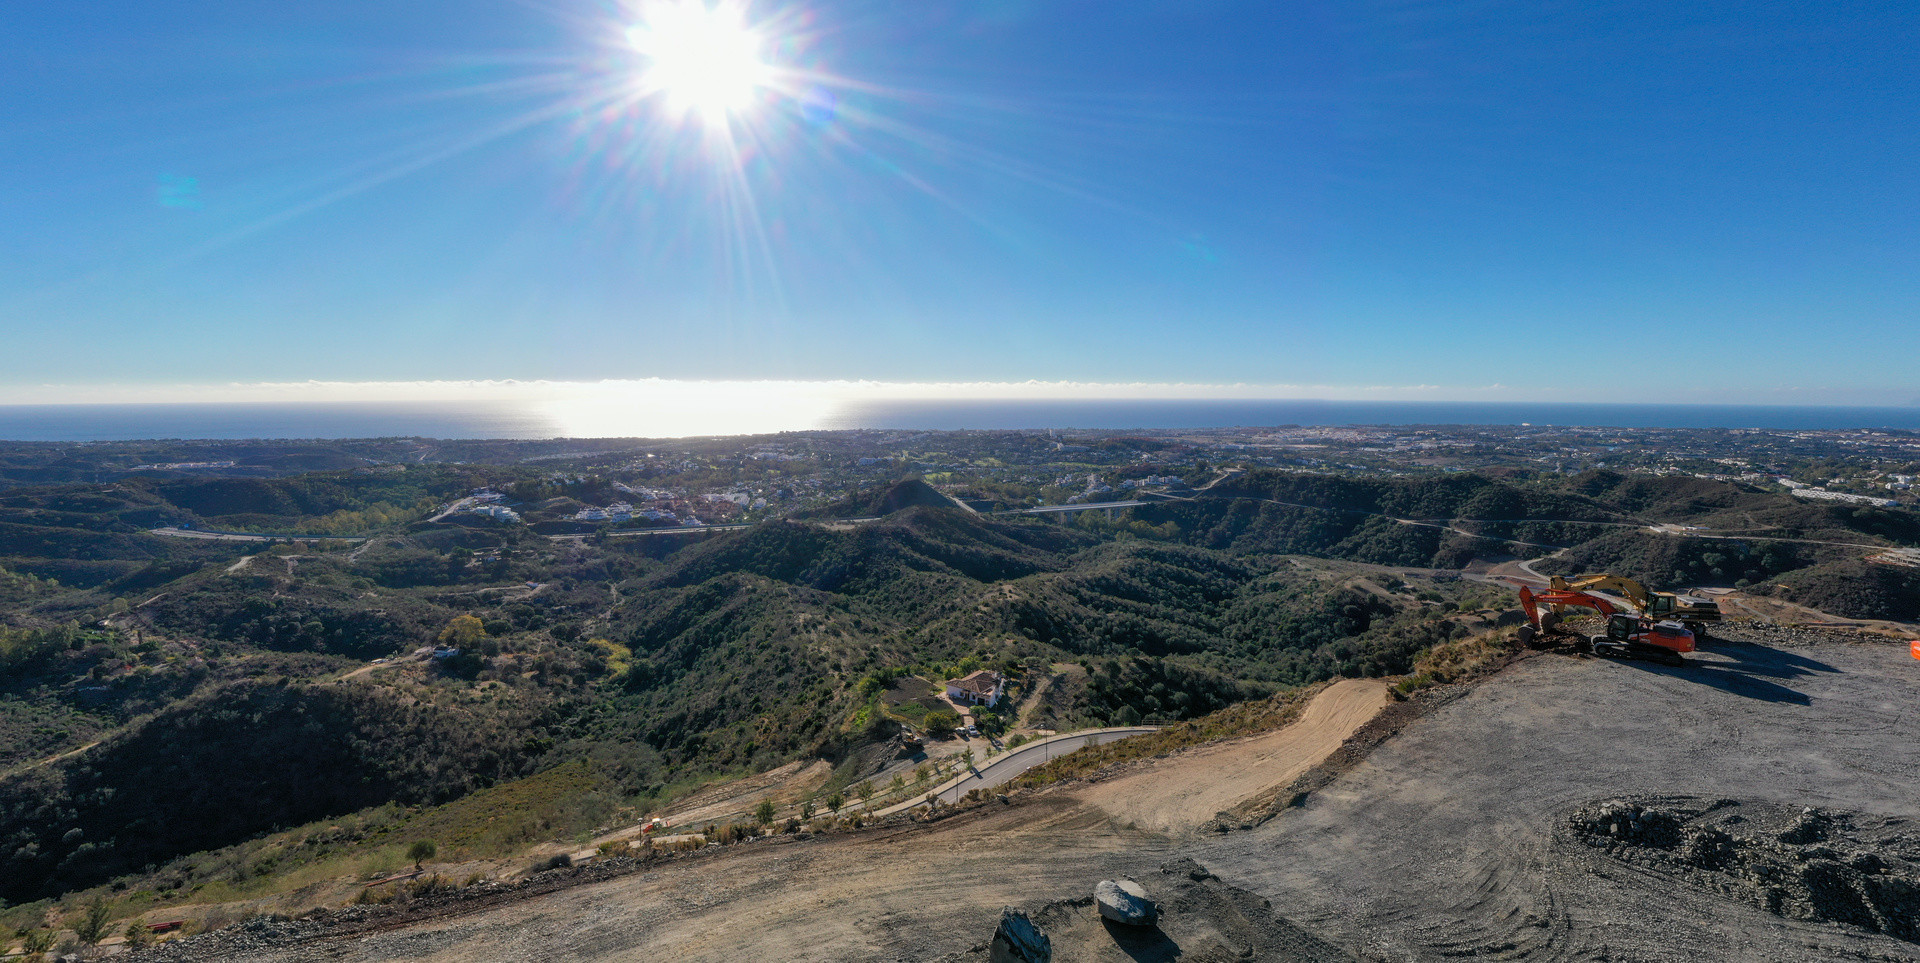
[(1651, 201)]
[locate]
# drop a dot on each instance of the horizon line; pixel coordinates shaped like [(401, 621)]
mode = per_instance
[(855, 391)]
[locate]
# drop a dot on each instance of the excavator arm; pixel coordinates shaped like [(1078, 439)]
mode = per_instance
[(1531, 601), (1633, 591), (1652, 604)]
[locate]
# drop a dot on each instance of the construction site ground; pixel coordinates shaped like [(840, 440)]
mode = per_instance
[(1449, 839)]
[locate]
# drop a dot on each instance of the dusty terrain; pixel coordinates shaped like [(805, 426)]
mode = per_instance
[(1450, 839), (1444, 841), (1204, 782)]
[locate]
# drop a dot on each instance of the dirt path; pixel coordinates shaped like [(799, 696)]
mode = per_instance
[(1447, 841), (417, 655), (1202, 783), (907, 892), (56, 757), (736, 800)]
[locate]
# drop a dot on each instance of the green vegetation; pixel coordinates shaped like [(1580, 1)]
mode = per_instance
[(602, 678), (941, 722), (1856, 589)]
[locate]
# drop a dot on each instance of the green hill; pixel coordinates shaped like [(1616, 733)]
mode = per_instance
[(658, 662), (896, 497)]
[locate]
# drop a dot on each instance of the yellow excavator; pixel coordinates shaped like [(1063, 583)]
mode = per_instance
[(1690, 611)]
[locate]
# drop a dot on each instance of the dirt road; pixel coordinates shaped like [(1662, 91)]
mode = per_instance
[(904, 892), (1448, 841)]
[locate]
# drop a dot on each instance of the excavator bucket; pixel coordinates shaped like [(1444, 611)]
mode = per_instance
[(1533, 614), (1916, 648)]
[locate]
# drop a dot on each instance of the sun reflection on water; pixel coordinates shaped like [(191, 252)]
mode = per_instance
[(681, 409)]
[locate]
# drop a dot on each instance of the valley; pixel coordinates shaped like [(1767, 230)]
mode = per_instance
[(317, 706)]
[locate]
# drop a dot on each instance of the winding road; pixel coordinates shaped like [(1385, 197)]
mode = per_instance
[(1003, 768)]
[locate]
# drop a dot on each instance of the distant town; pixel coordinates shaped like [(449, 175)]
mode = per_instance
[(708, 482)]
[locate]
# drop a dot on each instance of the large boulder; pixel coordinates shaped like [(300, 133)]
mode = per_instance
[(1125, 901), (1019, 941)]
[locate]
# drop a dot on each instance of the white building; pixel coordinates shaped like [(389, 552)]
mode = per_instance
[(982, 688), (1824, 495), (499, 513)]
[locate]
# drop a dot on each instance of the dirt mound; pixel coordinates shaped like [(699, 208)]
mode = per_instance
[(1202, 919), (1805, 863)]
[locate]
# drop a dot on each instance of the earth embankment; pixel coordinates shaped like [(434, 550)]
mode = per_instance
[(1459, 836)]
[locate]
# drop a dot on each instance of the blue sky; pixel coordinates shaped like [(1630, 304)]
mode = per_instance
[(1625, 201)]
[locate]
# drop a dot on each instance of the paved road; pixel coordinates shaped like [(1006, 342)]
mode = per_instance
[(1051, 509), (172, 532), (458, 505), (1004, 767)]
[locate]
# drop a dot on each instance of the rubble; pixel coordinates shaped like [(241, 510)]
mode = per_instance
[(1801, 863)]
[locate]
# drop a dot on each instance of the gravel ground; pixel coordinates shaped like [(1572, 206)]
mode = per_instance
[(1447, 841)]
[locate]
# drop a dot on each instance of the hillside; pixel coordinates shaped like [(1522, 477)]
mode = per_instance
[(739, 652), (665, 662), (1582, 817), (899, 496)]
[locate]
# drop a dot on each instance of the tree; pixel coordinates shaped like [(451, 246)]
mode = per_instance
[(463, 632), (806, 809), (421, 851), (138, 934), (941, 722), (835, 801), (968, 756), (764, 814), (93, 926), (37, 943), (865, 792)]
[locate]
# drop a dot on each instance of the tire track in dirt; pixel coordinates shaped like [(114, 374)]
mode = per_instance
[(1442, 843)]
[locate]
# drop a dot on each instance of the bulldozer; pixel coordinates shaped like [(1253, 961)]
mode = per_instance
[(1691, 611), (1628, 636)]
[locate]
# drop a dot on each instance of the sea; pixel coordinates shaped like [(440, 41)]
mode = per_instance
[(473, 420)]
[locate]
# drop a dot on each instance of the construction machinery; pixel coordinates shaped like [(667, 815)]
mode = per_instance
[(1691, 611), (1629, 636)]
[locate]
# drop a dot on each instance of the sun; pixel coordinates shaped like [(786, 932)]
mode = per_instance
[(701, 59)]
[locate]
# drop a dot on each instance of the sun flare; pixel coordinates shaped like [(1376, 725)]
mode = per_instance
[(702, 59)]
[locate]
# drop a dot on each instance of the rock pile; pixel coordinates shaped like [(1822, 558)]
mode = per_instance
[(1797, 862), (1619, 822)]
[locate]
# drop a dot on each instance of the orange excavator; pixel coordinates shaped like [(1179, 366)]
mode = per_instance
[(1627, 635)]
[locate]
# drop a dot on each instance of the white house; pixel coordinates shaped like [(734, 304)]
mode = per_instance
[(982, 688)]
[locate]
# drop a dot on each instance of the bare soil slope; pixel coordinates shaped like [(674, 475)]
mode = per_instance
[(912, 892), (1200, 784), (1457, 837)]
